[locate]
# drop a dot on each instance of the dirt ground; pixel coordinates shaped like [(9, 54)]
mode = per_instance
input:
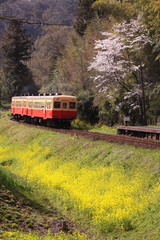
[(16, 214)]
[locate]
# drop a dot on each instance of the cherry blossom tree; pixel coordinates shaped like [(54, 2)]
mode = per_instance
[(120, 63)]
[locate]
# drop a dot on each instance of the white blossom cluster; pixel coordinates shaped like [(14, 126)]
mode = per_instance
[(116, 53)]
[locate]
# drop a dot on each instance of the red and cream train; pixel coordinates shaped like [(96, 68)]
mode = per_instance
[(54, 110)]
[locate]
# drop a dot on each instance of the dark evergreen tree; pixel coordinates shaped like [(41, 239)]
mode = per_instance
[(86, 109), (85, 13), (16, 49)]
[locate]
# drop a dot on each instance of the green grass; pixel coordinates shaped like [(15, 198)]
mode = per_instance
[(104, 129), (81, 125), (110, 191), (4, 106)]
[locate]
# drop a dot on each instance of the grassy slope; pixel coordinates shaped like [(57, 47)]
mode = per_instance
[(111, 191)]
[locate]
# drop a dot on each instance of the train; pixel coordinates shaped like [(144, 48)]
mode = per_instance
[(52, 110)]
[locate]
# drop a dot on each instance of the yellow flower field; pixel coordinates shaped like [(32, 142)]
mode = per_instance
[(24, 236), (107, 195)]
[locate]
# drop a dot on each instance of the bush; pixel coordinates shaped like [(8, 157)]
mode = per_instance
[(87, 111), (81, 125)]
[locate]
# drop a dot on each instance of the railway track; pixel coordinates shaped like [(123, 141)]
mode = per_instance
[(118, 139)]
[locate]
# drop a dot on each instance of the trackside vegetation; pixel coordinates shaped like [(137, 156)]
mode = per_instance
[(30, 236), (109, 191)]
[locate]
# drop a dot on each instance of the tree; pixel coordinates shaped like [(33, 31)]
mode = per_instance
[(151, 16), (86, 109), (108, 114), (121, 63), (85, 14), (117, 9), (71, 72), (47, 49), (16, 49)]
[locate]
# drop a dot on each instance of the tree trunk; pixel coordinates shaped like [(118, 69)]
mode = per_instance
[(143, 99)]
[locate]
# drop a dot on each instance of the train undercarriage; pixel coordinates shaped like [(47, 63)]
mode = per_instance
[(55, 123)]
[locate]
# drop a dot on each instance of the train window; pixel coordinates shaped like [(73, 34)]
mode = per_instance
[(36, 105), (19, 103), (43, 105), (57, 104), (48, 105), (30, 104), (39, 104), (24, 103), (72, 105), (64, 105)]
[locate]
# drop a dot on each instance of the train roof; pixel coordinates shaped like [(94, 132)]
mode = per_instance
[(44, 97)]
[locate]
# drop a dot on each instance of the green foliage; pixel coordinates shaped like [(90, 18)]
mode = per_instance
[(10, 181), (153, 105), (17, 44), (48, 49), (108, 115), (119, 10), (71, 75), (151, 9), (16, 49), (4, 106), (86, 109), (79, 124), (85, 13), (104, 129)]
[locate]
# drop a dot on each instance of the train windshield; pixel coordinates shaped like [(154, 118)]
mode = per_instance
[(72, 105), (57, 104), (64, 105)]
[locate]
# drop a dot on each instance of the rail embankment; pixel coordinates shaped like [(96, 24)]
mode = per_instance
[(108, 191)]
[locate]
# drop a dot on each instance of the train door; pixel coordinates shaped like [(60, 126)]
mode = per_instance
[(64, 108)]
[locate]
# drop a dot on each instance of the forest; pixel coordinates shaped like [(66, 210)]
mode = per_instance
[(105, 52)]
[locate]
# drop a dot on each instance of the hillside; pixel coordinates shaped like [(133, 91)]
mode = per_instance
[(108, 191), (48, 11)]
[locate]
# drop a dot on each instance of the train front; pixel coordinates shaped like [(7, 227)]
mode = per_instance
[(64, 107)]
